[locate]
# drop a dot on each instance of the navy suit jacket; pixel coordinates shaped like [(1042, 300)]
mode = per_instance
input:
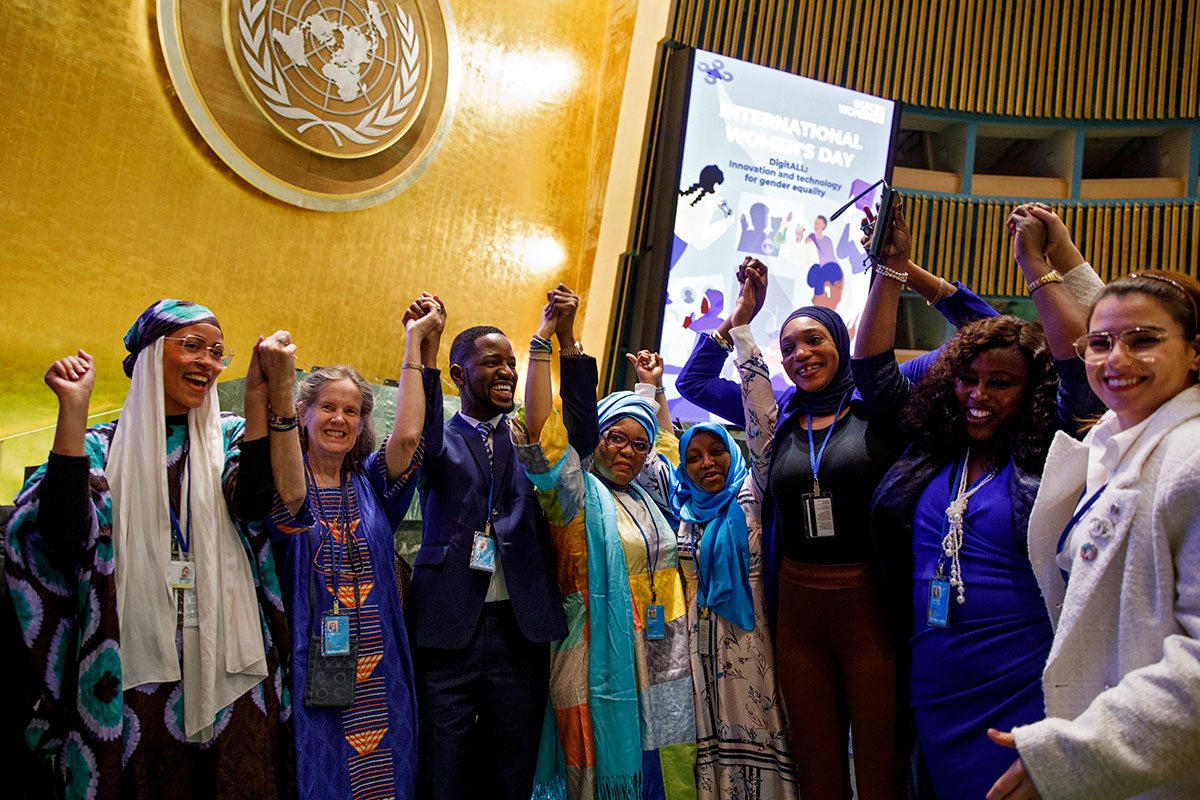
[(446, 596)]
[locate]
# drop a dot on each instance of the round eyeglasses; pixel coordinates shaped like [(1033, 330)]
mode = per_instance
[(195, 346), (619, 440)]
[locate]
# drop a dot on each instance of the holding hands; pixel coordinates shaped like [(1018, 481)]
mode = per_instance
[(752, 280)]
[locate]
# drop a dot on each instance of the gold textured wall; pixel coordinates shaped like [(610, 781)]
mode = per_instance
[(109, 200)]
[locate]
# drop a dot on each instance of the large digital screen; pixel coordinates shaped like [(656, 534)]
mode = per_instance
[(767, 158)]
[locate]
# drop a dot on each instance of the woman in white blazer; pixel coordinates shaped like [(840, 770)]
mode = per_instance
[(1114, 537)]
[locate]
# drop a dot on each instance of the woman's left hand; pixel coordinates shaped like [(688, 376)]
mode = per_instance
[(1015, 783)]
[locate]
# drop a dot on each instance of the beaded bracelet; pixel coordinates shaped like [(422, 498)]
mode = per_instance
[(888, 272), (539, 357), (539, 345)]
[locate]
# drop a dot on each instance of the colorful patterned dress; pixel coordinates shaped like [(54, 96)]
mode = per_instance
[(104, 742), (744, 748), (655, 685), (368, 750)]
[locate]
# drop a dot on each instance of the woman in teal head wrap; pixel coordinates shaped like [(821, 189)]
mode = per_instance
[(741, 733), (152, 614), (623, 722)]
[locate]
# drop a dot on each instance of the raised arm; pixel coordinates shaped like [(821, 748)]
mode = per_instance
[(700, 380), (877, 331), (649, 369), (758, 398), (539, 397), (276, 356), (1063, 317), (71, 379), (578, 375), (422, 335)]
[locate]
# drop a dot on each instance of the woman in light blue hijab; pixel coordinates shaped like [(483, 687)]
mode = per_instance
[(741, 732)]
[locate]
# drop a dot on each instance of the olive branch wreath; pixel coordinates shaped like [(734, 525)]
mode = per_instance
[(378, 122)]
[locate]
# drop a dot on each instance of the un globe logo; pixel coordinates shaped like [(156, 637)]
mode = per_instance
[(343, 79)]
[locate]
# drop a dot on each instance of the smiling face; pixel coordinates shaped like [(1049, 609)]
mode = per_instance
[(707, 461), (810, 356), (188, 378), (990, 391), (619, 465), (334, 420), (487, 380), (1132, 387)]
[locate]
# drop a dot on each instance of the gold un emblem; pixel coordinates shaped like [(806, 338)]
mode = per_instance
[(331, 106)]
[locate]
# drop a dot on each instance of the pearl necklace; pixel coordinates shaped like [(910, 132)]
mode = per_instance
[(956, 512)]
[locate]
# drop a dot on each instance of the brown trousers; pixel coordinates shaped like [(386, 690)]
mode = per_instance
[(837, 669)]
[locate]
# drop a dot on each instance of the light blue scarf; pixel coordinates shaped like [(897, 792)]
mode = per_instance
[(723, 563)]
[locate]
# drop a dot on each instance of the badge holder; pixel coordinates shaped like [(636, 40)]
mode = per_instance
[(656, 622), (183, 581), (332, 654), (706, 634), (483, 550), (818, 515), (938, 612)]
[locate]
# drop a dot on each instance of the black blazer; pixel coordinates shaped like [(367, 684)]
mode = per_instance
[(446, 596)]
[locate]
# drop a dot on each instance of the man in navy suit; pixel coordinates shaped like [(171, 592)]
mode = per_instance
[(484, 604)]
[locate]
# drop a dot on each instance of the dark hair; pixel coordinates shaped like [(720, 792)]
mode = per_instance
[(310, 392), (821, 274), (464, 343), (1177, 293), (710, 176), (935, 420)]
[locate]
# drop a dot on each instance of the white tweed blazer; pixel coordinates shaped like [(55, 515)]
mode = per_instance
[(1122, 681)]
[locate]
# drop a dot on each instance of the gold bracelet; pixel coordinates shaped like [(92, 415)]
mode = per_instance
[(574, 351), (1053, 276), (721, 341), (941, 292), (411, 365)]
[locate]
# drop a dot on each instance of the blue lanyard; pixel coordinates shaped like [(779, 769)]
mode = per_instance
[(651, 558), (814, 454), (336, 553), (1062, 540), (184, 540)]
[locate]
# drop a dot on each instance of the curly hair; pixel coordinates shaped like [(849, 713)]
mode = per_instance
[(936, 420), (310, 393)]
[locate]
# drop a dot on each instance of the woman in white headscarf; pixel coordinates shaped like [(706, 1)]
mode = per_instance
[(153, 614)]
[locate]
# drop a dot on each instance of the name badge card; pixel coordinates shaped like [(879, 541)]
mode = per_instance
[(938, 614), (335, 635), (483, 552), (182, 574), (656, 623), (818, 515)]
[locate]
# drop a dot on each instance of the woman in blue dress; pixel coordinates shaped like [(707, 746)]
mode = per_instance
[(338, 501), (951, 515)]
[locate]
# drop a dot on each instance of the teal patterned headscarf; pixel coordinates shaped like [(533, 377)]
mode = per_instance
[(157, 321)]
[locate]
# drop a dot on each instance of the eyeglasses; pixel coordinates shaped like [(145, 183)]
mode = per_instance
[(618, 440), (1138, 342), (195, 346)]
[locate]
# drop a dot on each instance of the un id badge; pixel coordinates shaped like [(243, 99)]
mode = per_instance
[(818, 515), (335, 635), (938, 614), (656, 623), (483, 552), (182, 574)]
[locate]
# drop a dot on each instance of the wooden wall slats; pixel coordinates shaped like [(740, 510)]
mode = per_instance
[(1087, 59)]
